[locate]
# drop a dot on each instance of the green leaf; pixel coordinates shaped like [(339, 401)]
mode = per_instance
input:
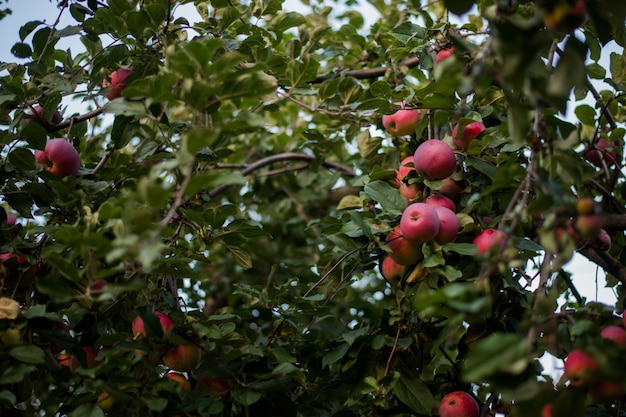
[(22, 159), (241, 256), (27, 28), (245, 396), (351, 336), (87, 410), (335, 355), (7, 397), (21, 50), (415, 394), (27, 353), (387, 196), (287, 20), (461, 248), (498, 352), (35, 135), (586, 114)]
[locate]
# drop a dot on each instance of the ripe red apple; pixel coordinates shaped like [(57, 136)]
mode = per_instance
[(580, 368), (90, 356), (419, 223), (452, 189), (443, 54), (406, 166), (95, 289), (116, 81), (37, 117), (470, 132), (180, 379), (183, 358), (449, 225), (403, 251), (614, 333), (402, 122), (140, 330), (434, 160), (11, 220), (409, 191), (601, 152), (489, 238), (562, 17), (624, 319), (458, 404), (59, 157), (218, 385), (440, 200), (391, 270)]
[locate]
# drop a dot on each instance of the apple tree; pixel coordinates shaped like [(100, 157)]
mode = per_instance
[(248, 208)]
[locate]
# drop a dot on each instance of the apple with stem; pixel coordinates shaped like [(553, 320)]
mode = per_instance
[(564, 17), (59, 157), (419, 223), (470, 132), (458, 404), (449, 225), (402, 122), (183, 358), (116, 83), (402, 252), (434, 160)]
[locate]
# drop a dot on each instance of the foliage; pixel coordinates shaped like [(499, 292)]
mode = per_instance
[(240, 187)]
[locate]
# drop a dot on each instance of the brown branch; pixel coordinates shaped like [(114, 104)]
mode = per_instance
[(75, 119), (287, 156), (606, 261), (365, 73)]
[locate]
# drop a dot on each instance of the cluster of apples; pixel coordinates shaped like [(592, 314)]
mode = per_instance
[(586, 227), (583, 371), (601, 153), (59, 156)]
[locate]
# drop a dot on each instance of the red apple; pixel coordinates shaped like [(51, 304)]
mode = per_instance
[(562, 17), (409, 191), (449, 225), (440, 200), (546, 411), (470, 132), (614, 333), (59, 157), (180, 379), (106, 401), (443, 54), (489, 238), (70, 361), (11, 220), (580, 368), (458, 404), (434, 160), (419, 223), (601, 153), (406, 166), (4, 257), (37, 117), (95, 289), (391, 270), (116, 81), (218, 385), (402, 122), (452, 189), (402, 252), (183, 358), (624, 319), (140, 330)]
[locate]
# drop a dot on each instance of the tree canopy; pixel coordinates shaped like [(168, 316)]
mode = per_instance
[(211, 213)]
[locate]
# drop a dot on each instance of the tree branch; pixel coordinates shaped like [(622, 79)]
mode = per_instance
[(75, 119), (606, 261), (365, 73)]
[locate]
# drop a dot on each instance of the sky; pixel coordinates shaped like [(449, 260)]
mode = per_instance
[(588, 278)]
